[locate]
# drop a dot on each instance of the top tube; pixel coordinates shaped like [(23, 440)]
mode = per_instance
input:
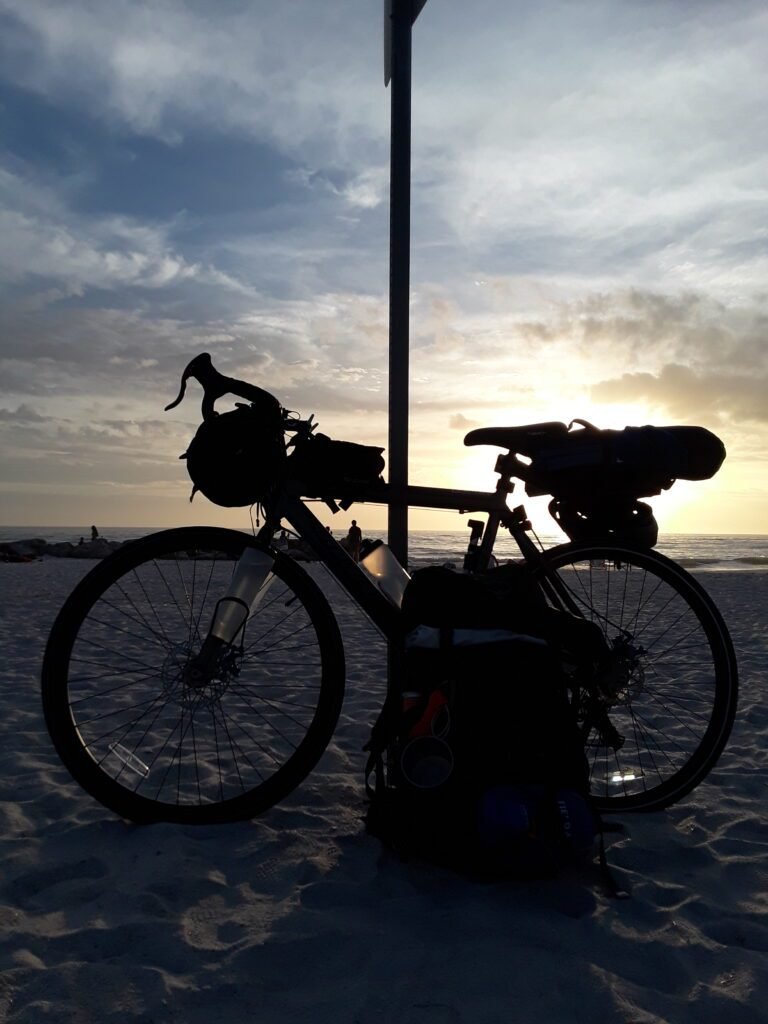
[(447, 498)]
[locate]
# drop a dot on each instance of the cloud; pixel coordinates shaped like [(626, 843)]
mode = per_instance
[(269, 72), (603, 163), (37, 449), (604, 167), (588, 211), (648, 328), (692, 396), (22, 414), (460, 422), (45, 241), (368, 189)]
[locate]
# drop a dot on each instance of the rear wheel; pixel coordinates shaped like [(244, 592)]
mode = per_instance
[(660, 710), (155, 741)]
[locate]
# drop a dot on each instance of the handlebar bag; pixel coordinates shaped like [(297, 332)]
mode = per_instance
[(334, 469), (237, 457)]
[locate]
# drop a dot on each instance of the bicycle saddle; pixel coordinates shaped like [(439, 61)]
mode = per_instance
[(526, 440)]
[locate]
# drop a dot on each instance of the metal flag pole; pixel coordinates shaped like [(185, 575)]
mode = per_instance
[(399, 16)]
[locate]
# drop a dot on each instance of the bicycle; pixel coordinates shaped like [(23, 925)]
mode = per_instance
[(159, 720)]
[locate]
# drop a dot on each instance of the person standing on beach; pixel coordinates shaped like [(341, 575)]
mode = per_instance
[(94, 533), (354, 540)]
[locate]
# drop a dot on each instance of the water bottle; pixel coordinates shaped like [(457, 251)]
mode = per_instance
[(390, 576), (248, 585)]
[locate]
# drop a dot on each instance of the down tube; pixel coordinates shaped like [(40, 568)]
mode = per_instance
[(353, 579)]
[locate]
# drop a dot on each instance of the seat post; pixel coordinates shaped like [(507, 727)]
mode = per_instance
[(504, 467)]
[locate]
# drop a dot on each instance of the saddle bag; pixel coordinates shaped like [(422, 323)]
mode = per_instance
[(590, 519), (597, 476)]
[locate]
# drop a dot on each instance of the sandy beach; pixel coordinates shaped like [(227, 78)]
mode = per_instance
[(301, 917)]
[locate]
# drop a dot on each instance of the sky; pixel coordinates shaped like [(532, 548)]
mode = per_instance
[(589, 237)]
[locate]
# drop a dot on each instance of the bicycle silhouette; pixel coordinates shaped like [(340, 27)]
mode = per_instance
[(162, 713)]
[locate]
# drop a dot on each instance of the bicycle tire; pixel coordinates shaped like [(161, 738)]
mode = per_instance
[(136, 736), (676, 702)]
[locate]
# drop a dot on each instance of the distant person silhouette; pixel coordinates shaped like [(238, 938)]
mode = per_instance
[(94, 533), (354, 540)]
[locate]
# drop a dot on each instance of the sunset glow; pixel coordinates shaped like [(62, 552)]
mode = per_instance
[(588, 223)]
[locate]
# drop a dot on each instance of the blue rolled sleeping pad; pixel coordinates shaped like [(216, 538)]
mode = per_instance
[(534, 829)]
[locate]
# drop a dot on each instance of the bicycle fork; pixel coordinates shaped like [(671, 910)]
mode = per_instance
[(251, 579)]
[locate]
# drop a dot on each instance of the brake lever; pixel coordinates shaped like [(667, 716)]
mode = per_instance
[(215, 384)]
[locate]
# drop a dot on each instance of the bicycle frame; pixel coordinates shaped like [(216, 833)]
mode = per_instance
[(229, 728), (358, 584), (289, 505)]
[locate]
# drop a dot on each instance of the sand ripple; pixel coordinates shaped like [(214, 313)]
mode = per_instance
[(301, 917)]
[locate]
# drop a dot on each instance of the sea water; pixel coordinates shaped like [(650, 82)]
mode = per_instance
[(709, 552)]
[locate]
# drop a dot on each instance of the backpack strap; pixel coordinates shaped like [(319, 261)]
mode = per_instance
[(383, 732), (608, 877), (392, 720)]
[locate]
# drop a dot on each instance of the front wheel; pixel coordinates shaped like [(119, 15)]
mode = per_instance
[(152, 740), (659, 712)]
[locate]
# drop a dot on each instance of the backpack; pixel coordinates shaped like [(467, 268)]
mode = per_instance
[(477, 762), (237, 457)]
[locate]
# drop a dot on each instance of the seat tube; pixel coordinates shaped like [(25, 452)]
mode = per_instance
[(489, 540)]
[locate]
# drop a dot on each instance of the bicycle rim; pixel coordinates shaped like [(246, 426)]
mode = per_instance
[(671, 698), (130, 728)]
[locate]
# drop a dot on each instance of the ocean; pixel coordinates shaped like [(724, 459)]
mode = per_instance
[(743, 552)]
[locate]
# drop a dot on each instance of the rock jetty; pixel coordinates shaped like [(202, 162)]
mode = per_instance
[(37, 547)]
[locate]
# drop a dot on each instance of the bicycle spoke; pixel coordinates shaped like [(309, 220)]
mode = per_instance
[(152, 726), (669, 671)]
